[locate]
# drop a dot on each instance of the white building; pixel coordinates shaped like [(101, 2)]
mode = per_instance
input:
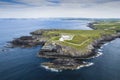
[(66, 37)]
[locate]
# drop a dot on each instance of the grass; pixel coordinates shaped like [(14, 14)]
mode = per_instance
[(82, 38), (107, 25)]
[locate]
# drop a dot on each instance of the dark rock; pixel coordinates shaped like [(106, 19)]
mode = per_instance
[(90, 25), (58, 51), (65, 55), (26, 38), (26, 41), (65, 64)]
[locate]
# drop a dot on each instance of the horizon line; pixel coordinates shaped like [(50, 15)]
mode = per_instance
[(60, 17)]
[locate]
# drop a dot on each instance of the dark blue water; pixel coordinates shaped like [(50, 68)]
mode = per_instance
[(23, 64)]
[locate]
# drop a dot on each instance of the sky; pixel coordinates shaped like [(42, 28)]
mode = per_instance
[(59, 8)]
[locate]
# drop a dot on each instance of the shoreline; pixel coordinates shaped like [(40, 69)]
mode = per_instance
[(95, 54), (30, 41), (97, 44), (60, 70)]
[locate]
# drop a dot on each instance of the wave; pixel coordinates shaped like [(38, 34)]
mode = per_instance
[(87, 65), (106, 44), (100, 51), (51, 69), (99, 54)]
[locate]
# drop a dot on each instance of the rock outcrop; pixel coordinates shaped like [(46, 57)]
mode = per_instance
[(60, 51), (65, 57), (65, 64), (26, 41)]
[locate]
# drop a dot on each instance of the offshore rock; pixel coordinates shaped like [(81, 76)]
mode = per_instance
[(65, 64)]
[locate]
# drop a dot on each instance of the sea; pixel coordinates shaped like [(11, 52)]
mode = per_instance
[(24, 64)]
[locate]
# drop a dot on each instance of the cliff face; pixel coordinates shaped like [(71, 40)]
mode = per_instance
[(59, 51), (66, 56), (56, 51)]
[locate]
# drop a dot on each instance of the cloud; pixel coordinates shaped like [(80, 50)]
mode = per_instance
[(50, 3), (67, 3), (12, 4), (54, 1), (59, 8)]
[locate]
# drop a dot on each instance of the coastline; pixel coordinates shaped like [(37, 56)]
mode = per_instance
[(95, 52), (30, 41), (96, 44)]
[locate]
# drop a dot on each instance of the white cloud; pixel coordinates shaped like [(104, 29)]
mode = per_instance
[(64, 8)]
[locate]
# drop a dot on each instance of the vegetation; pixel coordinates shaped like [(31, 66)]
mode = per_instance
[(82, 38), (107, 25), (78, 46)]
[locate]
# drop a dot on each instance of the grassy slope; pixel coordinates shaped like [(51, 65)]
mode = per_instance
[(82, 38), (107, 25)]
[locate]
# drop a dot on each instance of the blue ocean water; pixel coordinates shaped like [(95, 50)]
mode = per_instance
[(23, 64)]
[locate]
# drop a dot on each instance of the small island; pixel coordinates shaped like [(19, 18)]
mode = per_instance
[(69, 48)]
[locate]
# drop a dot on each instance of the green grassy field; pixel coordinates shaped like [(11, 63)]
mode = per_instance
[(107, 25), (81, 39)]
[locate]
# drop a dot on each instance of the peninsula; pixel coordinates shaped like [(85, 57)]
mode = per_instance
[(69, 48)]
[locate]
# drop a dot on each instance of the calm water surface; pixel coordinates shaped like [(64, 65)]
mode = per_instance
[(23, 64)]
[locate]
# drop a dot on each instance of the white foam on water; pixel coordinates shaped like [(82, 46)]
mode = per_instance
[(99, 54), (87, 65), (100, 50), (51, 69), (105, 44), (101, 47), (79, 67)]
